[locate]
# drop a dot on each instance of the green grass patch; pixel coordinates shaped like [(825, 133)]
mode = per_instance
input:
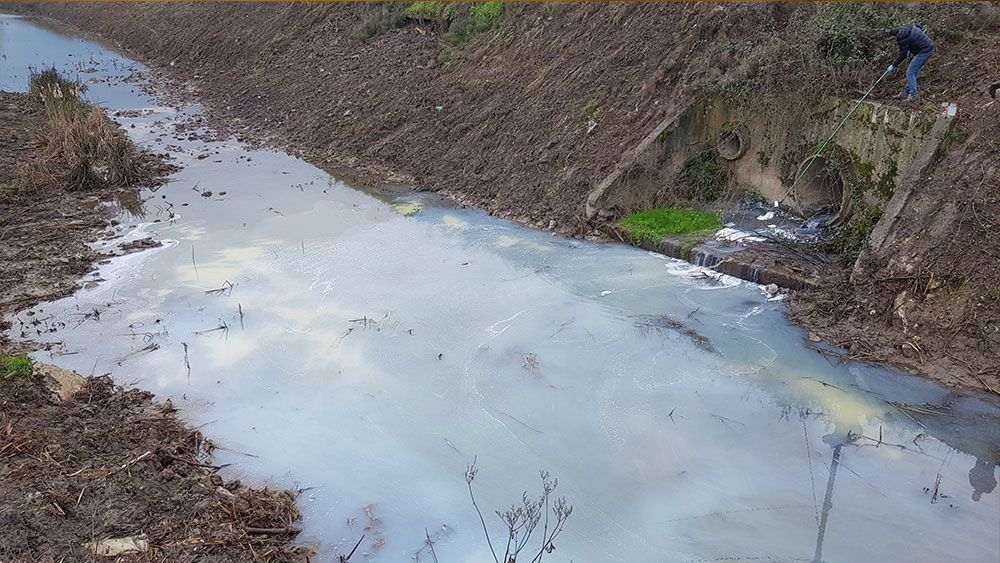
[(956, 135), (426, 10), (13, 368), (483, 14), (655, 224)]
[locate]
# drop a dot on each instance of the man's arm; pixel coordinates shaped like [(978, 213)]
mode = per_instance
[(904, 48)]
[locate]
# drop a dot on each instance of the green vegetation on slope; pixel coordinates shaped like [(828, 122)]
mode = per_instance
[(655, 224), (855, 236), (836, 49), (13, 368), (705, 176)]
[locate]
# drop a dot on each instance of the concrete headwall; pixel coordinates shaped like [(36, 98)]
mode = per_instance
[(766, 153)]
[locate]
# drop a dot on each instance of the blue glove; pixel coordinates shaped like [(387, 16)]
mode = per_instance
[(891, 68)]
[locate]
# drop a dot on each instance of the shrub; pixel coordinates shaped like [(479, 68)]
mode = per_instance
[(424, 10), (91, 147), (854, 239), (53, 88), (705, 176), (379, 17), (484, 14)]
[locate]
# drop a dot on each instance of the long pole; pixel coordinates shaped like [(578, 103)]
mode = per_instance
[(846, 117)]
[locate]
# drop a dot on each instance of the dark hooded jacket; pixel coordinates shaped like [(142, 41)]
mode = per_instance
[(911, 39)]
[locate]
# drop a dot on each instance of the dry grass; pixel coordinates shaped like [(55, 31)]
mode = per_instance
[(79, 147)]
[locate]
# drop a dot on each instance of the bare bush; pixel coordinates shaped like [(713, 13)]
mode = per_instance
[(523, 519)]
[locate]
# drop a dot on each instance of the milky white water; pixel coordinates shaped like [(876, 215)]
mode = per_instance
[(372, 347)]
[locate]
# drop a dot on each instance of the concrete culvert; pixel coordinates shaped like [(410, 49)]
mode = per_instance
[(732, 142), (821, 187)]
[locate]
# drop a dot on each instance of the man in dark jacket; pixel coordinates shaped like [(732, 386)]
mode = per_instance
[(911, 39)]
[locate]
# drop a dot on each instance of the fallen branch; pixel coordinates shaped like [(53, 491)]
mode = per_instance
[(274, 531), (129, 464), (196, 464)]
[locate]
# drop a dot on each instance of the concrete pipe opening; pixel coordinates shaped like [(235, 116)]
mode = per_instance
[(732, 142), (821, 187)]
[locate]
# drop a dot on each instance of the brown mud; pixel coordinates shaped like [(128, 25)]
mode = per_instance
[(524, 119), (113, 463)]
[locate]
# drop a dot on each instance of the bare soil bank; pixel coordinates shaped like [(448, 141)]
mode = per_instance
[(102, 462), (113, 463), (526, 118)]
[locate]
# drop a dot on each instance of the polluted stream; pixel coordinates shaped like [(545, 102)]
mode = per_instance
[(365, 348)]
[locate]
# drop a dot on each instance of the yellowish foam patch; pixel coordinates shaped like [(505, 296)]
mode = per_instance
[(844, 409), (191, 232), (221, 265), (452, 220), (506, 242), (408, 208)]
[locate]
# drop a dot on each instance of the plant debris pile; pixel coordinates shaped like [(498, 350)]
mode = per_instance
[(112, 463)]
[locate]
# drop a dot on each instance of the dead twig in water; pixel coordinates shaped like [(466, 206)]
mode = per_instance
[(222, 326), (430, 544), (345, 559), (195, 264), (841, 358), (146, 348), (937, 486), (900, 407), (187, 364), (470, 475), (538, 271), (226, 286)]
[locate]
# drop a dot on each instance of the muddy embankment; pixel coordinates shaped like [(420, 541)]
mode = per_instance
[(524, 115), (90, 469)]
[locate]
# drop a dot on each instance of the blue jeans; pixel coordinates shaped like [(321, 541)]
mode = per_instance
[(913, 70)]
